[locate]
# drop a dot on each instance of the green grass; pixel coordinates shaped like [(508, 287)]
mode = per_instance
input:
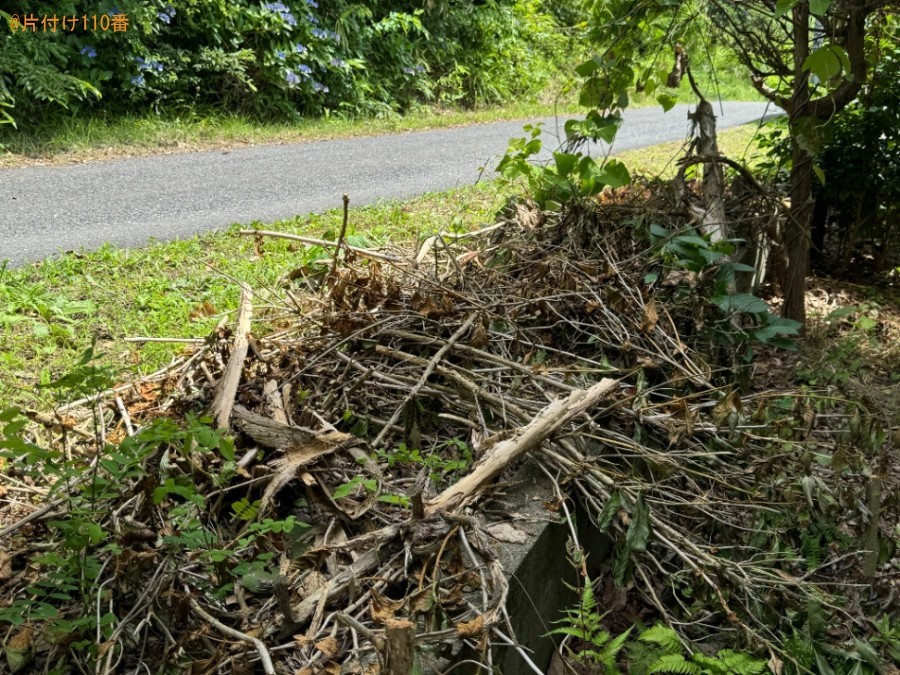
[(738, 143), (50, 311), (104, 136)]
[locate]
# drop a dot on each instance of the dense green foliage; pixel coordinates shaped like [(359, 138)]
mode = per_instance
[(296, 56), (859, 200)]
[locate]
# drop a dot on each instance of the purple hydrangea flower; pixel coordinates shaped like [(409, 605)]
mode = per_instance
[(300, 49), (338, 63), (280, 55), (283, 11), (409, 70), (138, 80), (318, 86), (319, 33), (305, 69), (88, 51), (312, 3), (291, 77)]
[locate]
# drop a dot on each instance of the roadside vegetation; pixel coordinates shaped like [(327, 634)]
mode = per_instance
[(310, 467)]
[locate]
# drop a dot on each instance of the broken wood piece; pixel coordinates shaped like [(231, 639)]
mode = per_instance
[(397, 649), (268, 432), (227, 389), (529, 437), (276, 404)]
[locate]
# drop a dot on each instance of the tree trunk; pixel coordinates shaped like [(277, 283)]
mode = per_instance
[(796, 230)]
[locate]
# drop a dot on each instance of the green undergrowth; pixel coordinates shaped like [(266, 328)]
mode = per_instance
[(50, 311)]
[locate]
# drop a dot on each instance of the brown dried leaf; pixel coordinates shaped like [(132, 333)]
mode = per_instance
[(329, 646), (5, 566), (726, 406), (650, 317), (206, 309), (21, 641), (507, 533), (383, 609), (473, 628)]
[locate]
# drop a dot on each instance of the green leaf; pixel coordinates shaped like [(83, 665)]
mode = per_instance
[(615, 174), (589, 67), (612, 506), (819, 7), (667, 101), (674, 663), (819, 173), (827, 61), (866, 323), (565, 163), (782, 7), (9, 414), (842, 312), (741, 302), (663, 636), (658, 230), (639, 530)]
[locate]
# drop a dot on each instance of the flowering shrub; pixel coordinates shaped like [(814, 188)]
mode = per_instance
[(284, 57)]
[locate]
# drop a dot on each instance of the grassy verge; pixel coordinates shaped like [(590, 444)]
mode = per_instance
[(50, 311), (80, 139), (98, 137), (738, 143)]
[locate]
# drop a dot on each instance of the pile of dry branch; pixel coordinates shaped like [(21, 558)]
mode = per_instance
[(395, 387)]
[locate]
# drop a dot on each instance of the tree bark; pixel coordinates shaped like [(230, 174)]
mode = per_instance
[(796, 229)]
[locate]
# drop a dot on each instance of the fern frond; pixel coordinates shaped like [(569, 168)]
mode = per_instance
[(614, 647), (740, 663), (663, 636), (676, 664)]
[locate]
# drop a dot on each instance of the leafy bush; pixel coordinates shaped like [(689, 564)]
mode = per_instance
[(273, 57), (860, 198)]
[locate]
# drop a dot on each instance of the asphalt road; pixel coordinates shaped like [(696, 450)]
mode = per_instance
[(46, 210)]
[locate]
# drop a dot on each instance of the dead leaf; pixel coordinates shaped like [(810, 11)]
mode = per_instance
[(473, 628), (650, 317), (5, 566), (21, 641), (383, 609), (329, 646), (479, 337), (776, 665), (728, 405), (507, 533), (18, 650), (204, 310)]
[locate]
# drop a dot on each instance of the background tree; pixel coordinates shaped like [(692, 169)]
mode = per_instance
[(809, 57)]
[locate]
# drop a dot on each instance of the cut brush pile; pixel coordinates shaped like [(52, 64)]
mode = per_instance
[(340, 522)]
